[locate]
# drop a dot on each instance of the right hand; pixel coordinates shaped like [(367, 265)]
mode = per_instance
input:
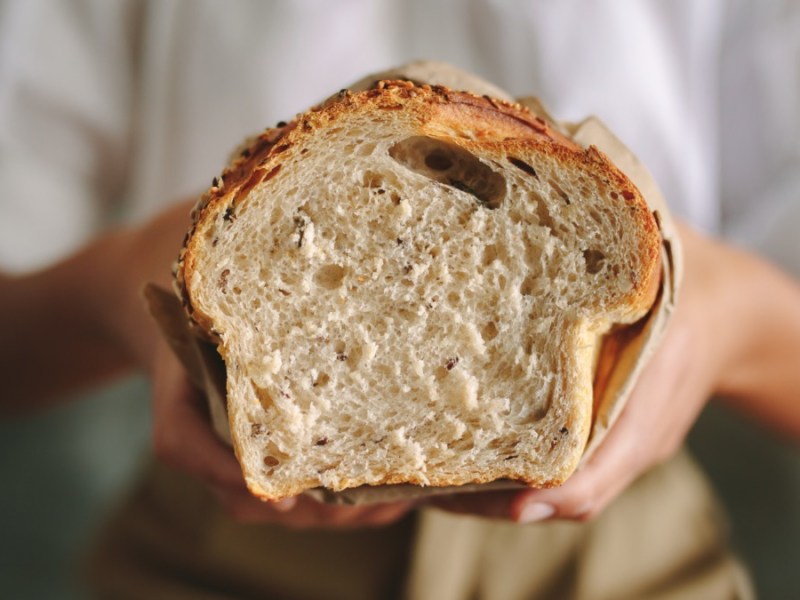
[(182, 434)]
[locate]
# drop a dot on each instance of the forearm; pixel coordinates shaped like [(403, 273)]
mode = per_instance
[(52, 339), (82, 321), (763, 378)]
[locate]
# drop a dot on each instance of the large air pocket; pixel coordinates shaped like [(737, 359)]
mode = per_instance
[(452, 165)]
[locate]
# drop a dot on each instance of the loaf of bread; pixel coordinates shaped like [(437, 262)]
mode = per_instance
[(409, 285)]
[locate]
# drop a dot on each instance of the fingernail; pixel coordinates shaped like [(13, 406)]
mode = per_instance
[(284, 505), (536, 511)]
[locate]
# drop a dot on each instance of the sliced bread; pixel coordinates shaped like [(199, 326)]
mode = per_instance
[(408, 285)]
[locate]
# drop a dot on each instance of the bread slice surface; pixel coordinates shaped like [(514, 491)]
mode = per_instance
[(408, 285)]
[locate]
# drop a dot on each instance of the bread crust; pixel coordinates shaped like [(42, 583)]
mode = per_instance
[(438, 110), (470, 121)]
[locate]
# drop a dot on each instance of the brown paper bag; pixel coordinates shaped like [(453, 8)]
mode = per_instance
[(624, 354)]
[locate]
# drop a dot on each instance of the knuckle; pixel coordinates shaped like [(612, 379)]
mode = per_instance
[(588, 515), (665, 452), (580, 509)]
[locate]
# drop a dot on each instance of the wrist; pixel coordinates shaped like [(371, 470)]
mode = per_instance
[(750, 313), (56, 341), (718, 293)]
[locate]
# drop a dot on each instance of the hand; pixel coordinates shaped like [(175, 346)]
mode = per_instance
[(184, 439), (182, 432), (698, 349), (702, 353), (695, 359)]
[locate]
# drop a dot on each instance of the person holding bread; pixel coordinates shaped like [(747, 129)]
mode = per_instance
[(135, 106)]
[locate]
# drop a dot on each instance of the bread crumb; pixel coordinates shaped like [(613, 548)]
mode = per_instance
[(453, 428), (404, 210), (462, 389), (308, 249), (398, 436), (272, 362), (369, 351), (417, 366), (473, 339)]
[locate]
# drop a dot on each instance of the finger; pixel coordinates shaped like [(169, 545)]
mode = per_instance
[(285, 504), (348, 517), (380, 515), (486, 504), (182, 434), (582, 497), (242, 507), (642, 436)]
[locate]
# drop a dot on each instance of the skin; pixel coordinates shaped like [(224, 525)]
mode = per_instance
[(735, 333)]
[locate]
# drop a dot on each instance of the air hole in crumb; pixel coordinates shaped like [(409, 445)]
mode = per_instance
[(329, 276), (372, 179), (354, 357), (223, 280), (489, 331), (365, 149), (454, 297), (322, 380), (595, 260), (527, 346), (438, 161), (529, 286), (406, 314), (271, 461), (339, 347), (451, 165), (264, 397), (559, 191), (489, 254), (522, 165)]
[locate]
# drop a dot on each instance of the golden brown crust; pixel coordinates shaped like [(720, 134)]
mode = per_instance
[(466, 117), (235, 179)]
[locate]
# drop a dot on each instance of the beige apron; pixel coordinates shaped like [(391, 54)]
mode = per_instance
[(662, 539)]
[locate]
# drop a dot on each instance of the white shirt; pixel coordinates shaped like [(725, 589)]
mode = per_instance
[(111, 109)]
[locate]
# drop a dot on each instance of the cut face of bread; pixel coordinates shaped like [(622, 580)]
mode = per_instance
[(408, 285)]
